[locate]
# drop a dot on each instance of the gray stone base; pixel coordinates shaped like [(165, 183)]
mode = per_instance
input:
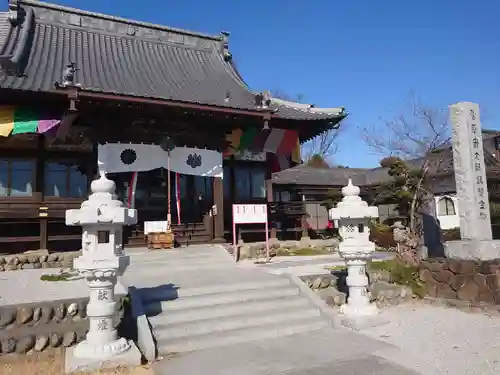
[(131, 357), (472, 249), (359, 323)]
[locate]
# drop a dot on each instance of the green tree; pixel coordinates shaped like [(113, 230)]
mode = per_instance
[(407, 187)]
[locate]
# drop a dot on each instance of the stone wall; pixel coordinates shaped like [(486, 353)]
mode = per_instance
[(332, 288), (258, 249), (464, 280), (39, 326), (31, 261)]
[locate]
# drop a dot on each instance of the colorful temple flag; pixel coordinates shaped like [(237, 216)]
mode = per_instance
[(22, 120), (259, 140), (296, 157), (274, 141), (278, 163), (6, 121), (25, 121), (288, 143), (247, 138)]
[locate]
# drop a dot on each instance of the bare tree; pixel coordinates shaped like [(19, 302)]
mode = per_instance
[(413, 134), (324, 145), (412, 145)]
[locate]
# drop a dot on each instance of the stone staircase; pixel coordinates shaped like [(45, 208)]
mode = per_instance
[(185, 320)]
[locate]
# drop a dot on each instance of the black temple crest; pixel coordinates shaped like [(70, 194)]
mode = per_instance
[(194, 160)]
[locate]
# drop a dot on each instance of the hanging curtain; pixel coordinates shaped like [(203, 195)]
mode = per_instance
[(123, 157)]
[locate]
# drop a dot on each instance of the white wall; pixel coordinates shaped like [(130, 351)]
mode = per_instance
[(447, 221)]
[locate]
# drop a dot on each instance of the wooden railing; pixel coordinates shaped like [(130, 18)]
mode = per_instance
[(37, 222)]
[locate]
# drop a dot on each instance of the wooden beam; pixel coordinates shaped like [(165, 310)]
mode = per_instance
[(171, 103)]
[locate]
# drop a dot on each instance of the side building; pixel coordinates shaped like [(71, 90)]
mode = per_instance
[(71, 80), (315, 185)]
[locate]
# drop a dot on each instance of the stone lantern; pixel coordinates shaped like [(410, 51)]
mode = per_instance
[(353, 215), (102, 218)]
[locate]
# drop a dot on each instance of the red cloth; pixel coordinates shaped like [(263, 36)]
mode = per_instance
[(259, 141), (274, 164), (288, 143)]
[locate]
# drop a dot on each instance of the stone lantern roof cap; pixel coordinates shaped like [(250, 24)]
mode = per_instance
[(352, 206)]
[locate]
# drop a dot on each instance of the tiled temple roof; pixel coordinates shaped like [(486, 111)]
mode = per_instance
[(118, 56)]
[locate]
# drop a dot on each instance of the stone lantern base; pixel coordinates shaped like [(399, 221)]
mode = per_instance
[(129, 358), (359, 311)]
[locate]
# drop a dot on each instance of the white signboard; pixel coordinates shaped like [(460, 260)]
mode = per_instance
[(156, 227), (250, 213)]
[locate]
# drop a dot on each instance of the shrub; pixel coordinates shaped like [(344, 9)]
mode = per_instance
[(381, 234), (401, 274)]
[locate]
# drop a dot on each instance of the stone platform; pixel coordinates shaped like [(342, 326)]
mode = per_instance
[(473, 249)]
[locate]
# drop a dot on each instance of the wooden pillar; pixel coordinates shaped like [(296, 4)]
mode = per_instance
[(218, 213), (43, 231), (305, 232), (40, 188), (270, 199), (232, 180)]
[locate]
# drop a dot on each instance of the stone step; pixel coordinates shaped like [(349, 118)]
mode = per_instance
[(178, 255), (170, 294), (220, 299), (184, 263), (194, 239), (164, 269), (278, 328), (227, 310), (215, 326)]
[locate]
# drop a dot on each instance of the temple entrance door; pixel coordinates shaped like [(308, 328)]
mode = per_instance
[(196, 197)]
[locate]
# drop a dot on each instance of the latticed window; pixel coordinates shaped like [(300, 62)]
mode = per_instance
[(17, 177), (446, 207), (65, 180)]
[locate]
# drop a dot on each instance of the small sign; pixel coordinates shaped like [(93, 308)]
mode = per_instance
[(247, 155), (250, 213), (156, 227)]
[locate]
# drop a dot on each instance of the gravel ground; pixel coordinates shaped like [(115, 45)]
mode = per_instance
[(438, 340)]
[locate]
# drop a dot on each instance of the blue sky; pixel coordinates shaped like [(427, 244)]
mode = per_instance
[(365, 55)]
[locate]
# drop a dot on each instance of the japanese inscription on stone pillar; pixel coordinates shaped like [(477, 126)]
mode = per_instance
[(470, 172)]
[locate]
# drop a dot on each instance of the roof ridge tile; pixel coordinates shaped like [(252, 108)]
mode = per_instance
[(149, 25)]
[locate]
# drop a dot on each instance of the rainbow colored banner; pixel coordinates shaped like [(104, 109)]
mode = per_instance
[(22, 120), (275, 141)]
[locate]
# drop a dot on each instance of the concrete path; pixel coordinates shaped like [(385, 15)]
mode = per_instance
[(326, 351), (330, 351), (303, 265)]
